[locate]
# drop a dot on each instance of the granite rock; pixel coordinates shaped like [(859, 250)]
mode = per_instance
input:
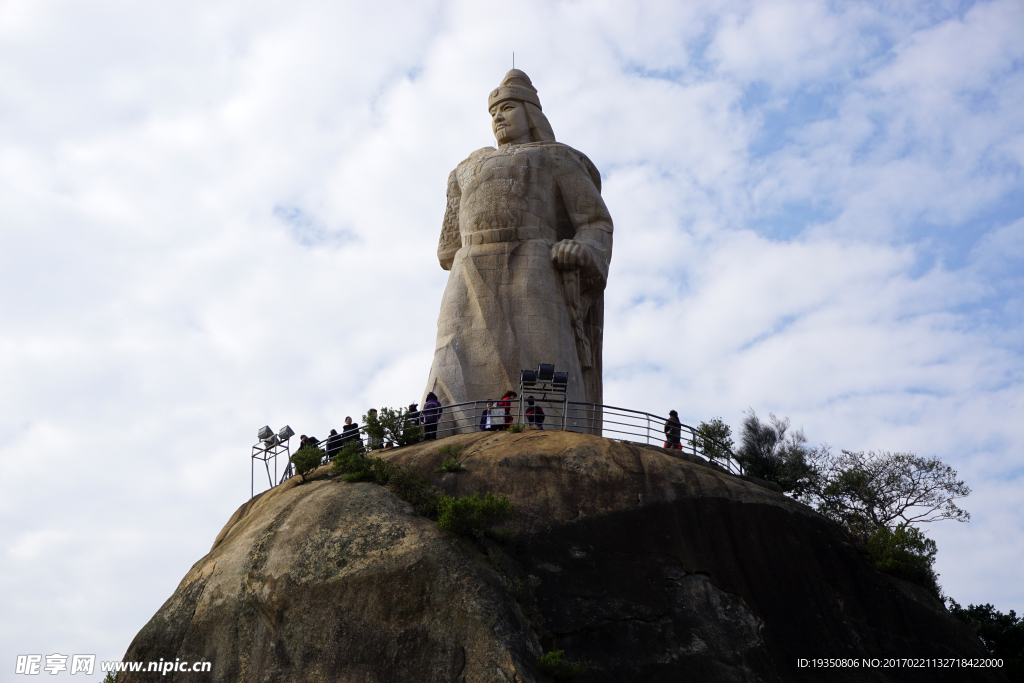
[(653, 565)]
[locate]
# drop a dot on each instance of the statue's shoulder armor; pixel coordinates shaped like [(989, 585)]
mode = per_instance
[(571, 156), (474, 157)]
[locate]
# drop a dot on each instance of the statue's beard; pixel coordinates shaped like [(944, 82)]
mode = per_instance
[(503, 134)]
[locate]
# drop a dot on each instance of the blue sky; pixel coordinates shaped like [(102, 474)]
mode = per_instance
[(220, 215)]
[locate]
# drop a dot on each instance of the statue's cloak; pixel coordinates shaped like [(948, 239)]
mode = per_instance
[(506, 307)]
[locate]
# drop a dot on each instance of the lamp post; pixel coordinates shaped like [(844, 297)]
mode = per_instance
[(270, 445), (545, 379)]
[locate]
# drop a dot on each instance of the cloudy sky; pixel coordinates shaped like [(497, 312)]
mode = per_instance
[(220, 215)]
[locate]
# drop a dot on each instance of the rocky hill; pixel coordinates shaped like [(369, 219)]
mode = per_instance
[(650, 564)]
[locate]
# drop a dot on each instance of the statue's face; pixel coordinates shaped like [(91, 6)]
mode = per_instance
[(510, 123)]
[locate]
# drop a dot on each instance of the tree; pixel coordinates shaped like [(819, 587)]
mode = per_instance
[(906, 552), (881, 490), (392, 424), (879, 497), (714, 440), (769, 451), (1003, 634)]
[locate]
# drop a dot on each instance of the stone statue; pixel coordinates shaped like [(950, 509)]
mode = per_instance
[(527, 239)]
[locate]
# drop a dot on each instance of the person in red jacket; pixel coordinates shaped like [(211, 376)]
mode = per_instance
[(534, 414), (506, 403)]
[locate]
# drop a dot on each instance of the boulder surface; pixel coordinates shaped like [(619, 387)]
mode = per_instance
[(651, 565)]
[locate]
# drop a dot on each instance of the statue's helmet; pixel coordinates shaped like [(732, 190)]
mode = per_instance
[(517, 86)]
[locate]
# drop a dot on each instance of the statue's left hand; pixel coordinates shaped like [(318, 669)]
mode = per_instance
[(569, 255)]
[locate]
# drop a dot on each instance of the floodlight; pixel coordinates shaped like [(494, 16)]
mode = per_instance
[(545, 372), (264, 433), (528, 378), (270, 442), (285, 433), (560, 379)]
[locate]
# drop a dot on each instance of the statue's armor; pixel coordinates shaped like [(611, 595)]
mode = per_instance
[(506, 307)]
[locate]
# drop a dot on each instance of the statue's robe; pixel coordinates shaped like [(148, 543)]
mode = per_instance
[(506, 307)]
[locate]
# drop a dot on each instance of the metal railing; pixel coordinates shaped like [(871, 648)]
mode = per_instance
[(621, 424)]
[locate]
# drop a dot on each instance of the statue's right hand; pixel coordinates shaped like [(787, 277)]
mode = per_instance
[(569, 255)]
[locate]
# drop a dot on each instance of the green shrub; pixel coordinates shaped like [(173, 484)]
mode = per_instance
[(450, 465), (351, 459), (515, 429), (554, 664), (452, 451), (307, 459), (472, 515), (411, 486), (905, 552), (451, 462)]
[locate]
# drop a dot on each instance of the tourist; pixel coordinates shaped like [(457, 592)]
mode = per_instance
[(431, 415), (350, 432), (334, 443), (506, 403), (534, 414), (485, 418), (672, 430)]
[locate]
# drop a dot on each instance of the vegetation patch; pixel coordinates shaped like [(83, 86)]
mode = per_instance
[(466, 515), (472, 515), (353, 464), (452, 451), (451, 462), (557, 666), (307, 459), (515, 429), (450, 465)]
